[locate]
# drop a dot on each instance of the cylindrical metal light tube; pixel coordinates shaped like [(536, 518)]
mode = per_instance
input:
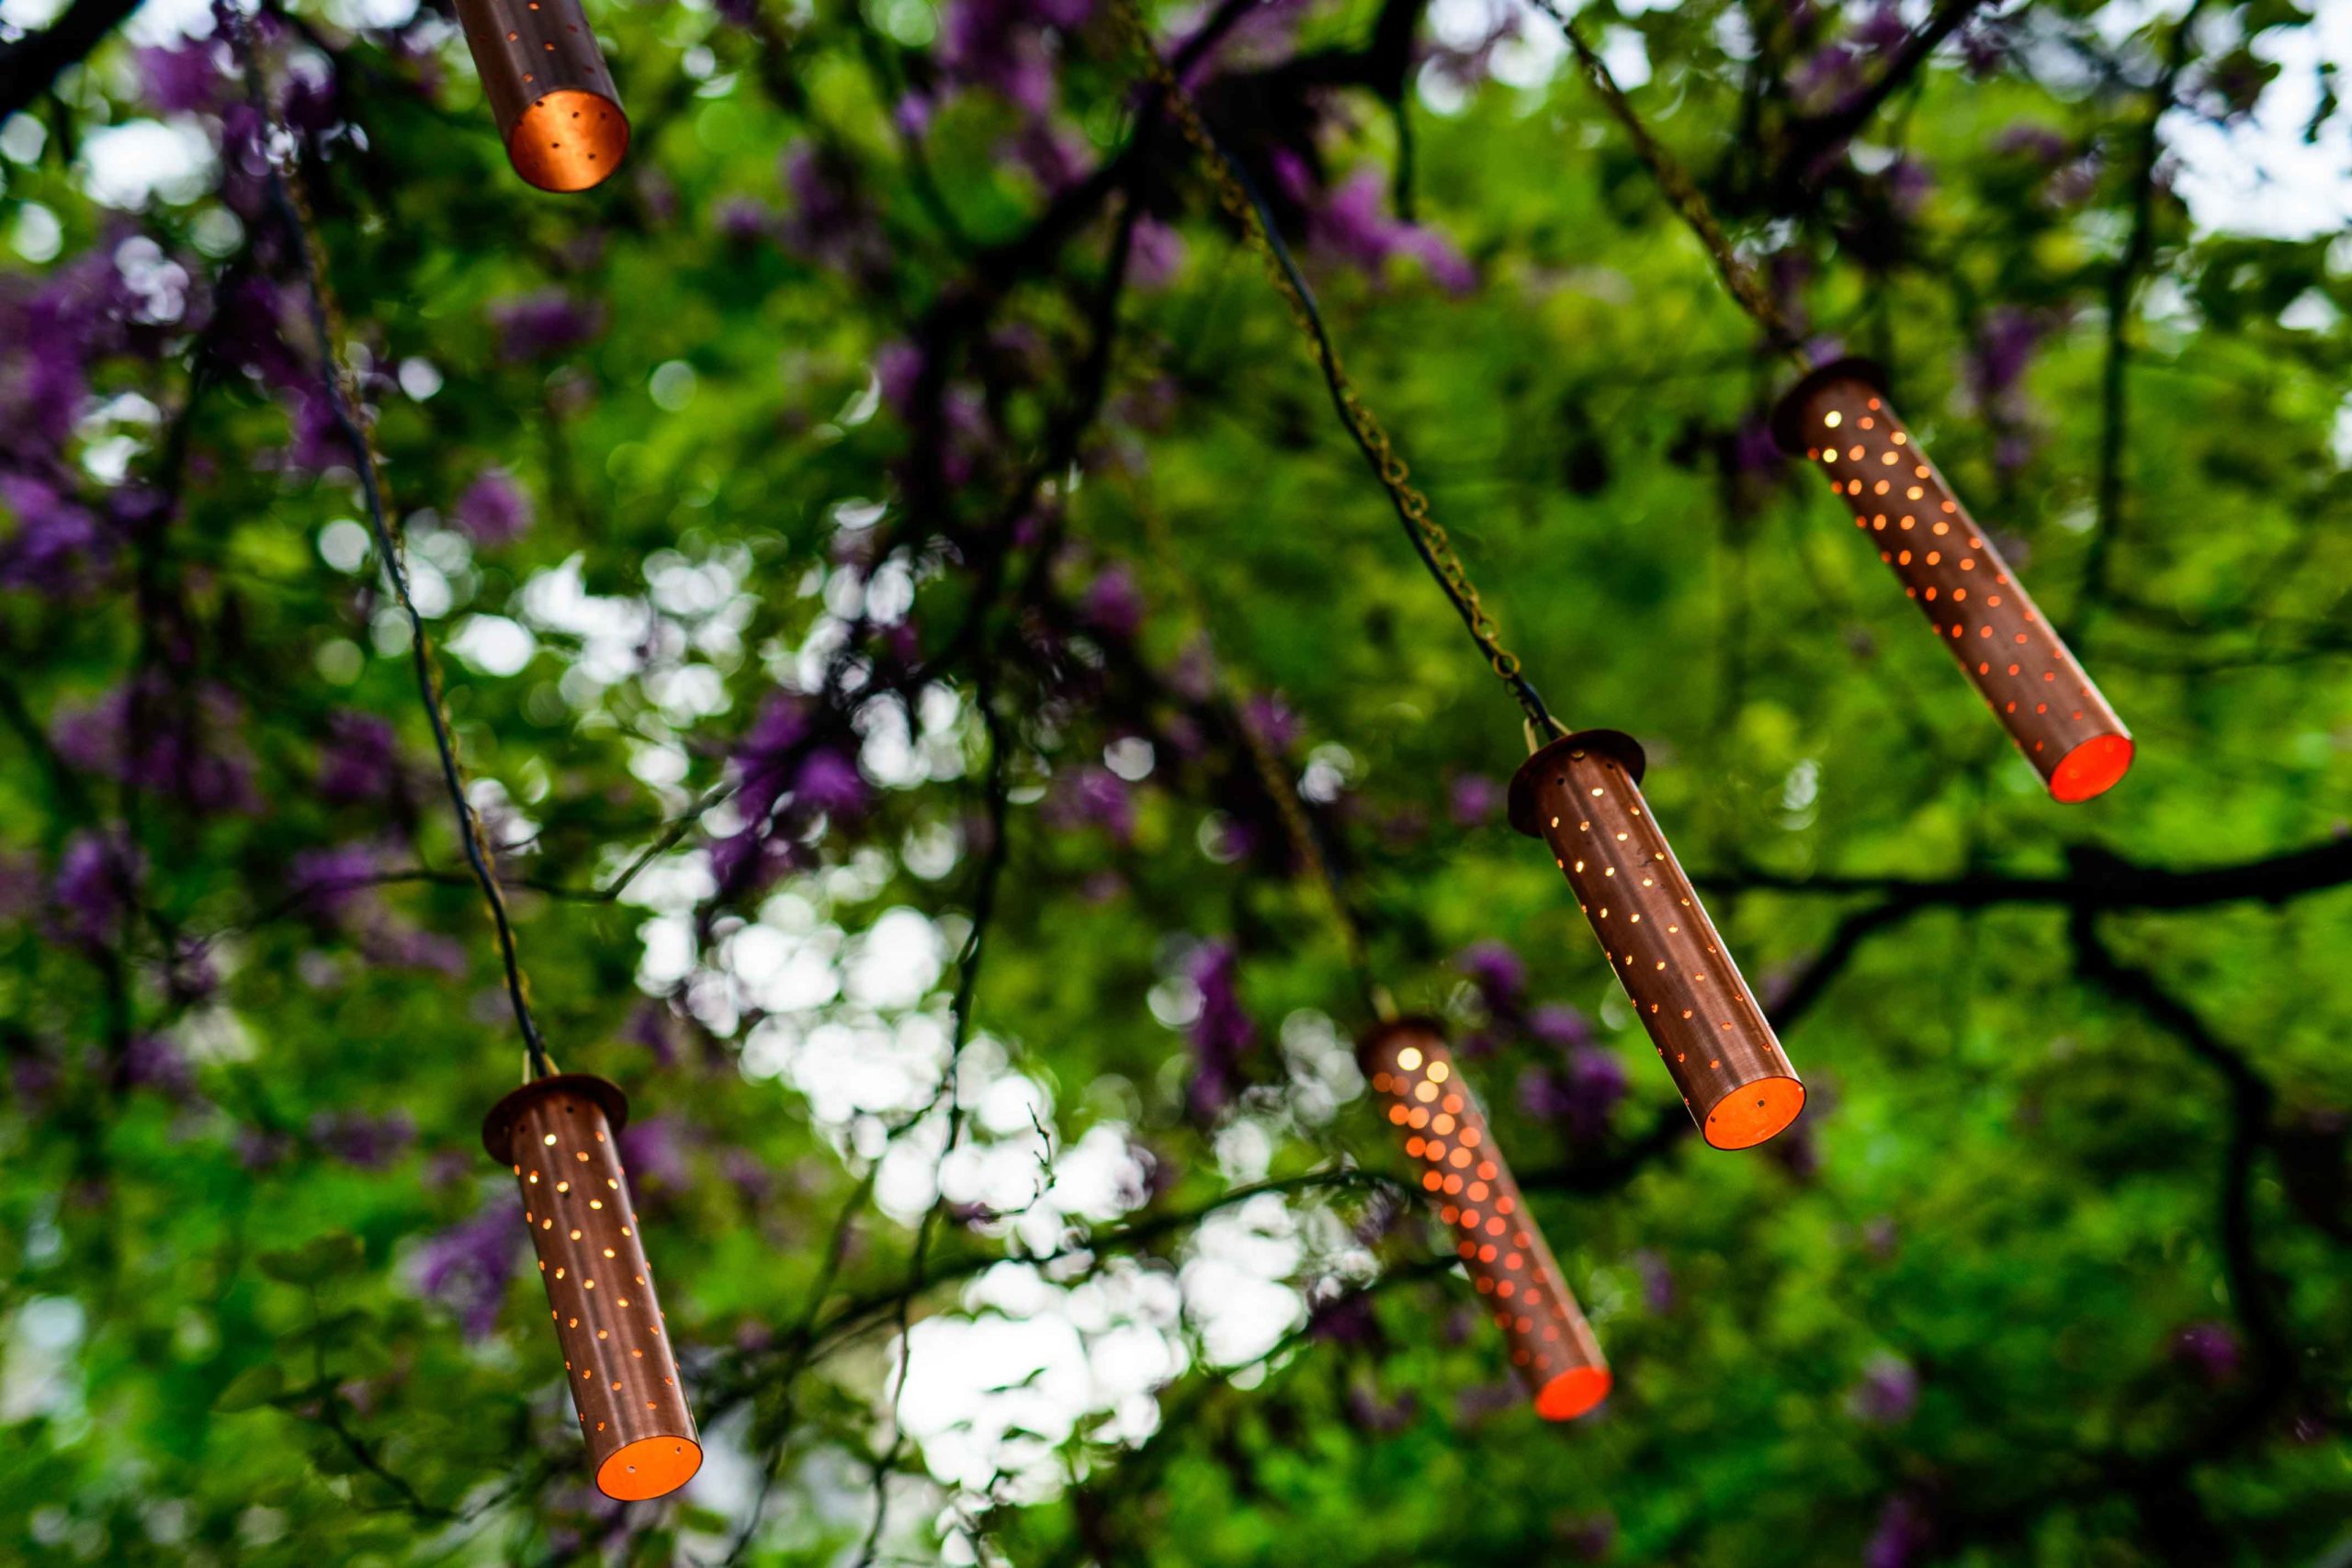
[(1423, 1097), (557, 1133), (557, 109), (1582, 796), (1839, 418)]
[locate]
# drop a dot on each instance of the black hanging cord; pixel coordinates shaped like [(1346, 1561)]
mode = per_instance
[(286, 199)]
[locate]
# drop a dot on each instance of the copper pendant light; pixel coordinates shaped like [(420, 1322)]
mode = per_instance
[(1582, 794), (554, 100), (1424, 1098), (1838, 417), (557, 1135)]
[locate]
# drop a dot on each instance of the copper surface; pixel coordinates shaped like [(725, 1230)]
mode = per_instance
[(557, 1135), (1838, 417), (1582, 796), (1423, 1097), (554, 100)]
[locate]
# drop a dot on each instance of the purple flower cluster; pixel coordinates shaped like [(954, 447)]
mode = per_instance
[(98, 877), (1113, 604), (357, 1138), (543, 325), (466, 1267), (359, 760), (182, 741), (1887, 1392), (493, 510), (1581, 1096), (1091, 796), (55, 545), (2209, 1349), (1905, 1536), (1352, 223), (1221, 1033), (1474, 800), (789, 781), (829, 220), (190, 78)]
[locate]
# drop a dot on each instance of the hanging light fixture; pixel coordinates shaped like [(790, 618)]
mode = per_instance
[(1839, 418), (1463, 1170), (557, 1133), (549, 88), (1582, 796)]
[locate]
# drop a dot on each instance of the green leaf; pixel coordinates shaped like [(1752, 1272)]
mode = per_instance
[(251, 1389), (315, 1261)]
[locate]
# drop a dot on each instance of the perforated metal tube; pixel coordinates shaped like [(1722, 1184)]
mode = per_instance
[(1839, 418), (557, 111), (1424, 1098), (1582, 796), (557, 1135)]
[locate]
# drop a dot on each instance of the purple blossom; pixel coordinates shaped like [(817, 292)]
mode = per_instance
[(1557, 1024), (1473, 799), (1887, 1393), (96, 878), (1480, 1402), (185, 80), (56, 543), (466, 1268), (1753, 449), (829, 782), (1221, 1032), (1903, 1535), (650, 1026), (150, 1061), (1582, 1094), (2211, 1349), (1092, 797), (1273, 719), (494, 508), (1984, 47), (1112, 603), (1882, 31), (656, 1161), (898, 366), (1590, 1537), (1353, 223), (2038, 142), (2002, 349), (542, 325), (768, 749), (1368, 1413), (999, 45), (357, 760), (1345, 1319), (400, 946), (1908, 184), (1657, 1280), (1055, 157), (742, 221), (1496, 971), (1827, 77), (1156, 254), (829, 223), (180, 741), (357, 1138), (50, 331), (327, 882)]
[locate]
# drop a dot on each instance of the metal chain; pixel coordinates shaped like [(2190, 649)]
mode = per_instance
[(1430, 537), (1675, 182)]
